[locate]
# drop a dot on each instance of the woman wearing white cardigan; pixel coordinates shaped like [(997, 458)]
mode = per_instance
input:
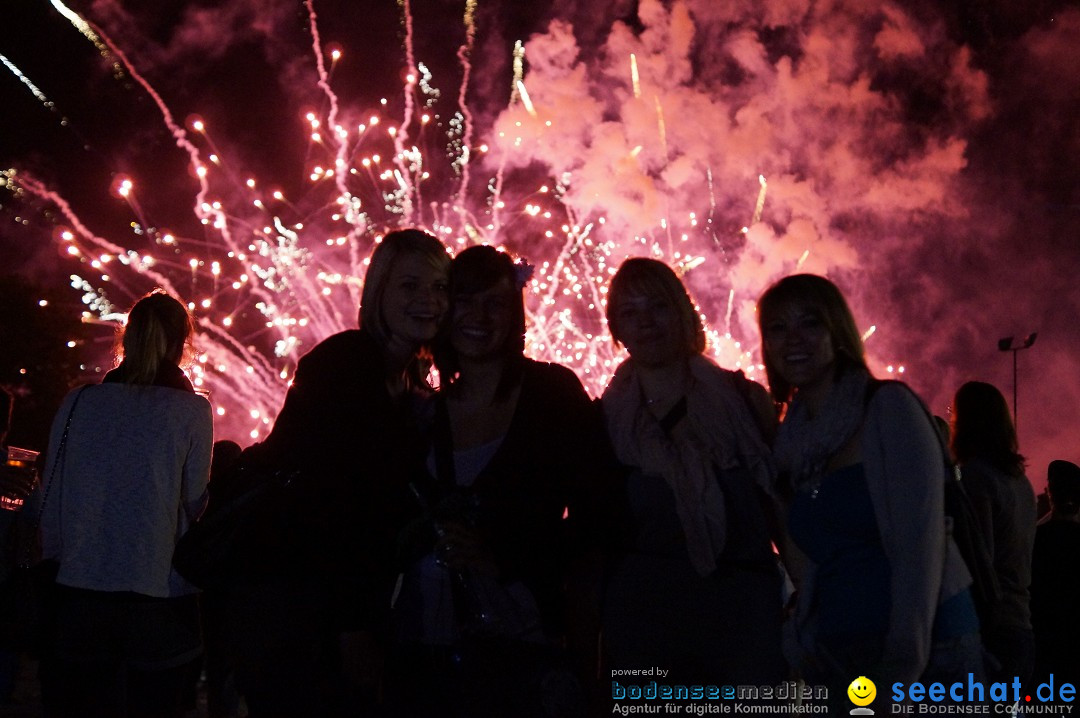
[(884, 592)]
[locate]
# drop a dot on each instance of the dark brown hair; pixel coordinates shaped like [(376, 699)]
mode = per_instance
[(983, 428), (474, 270), (826, 301)]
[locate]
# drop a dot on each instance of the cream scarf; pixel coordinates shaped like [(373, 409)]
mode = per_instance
[(804, 445), (719, 434)]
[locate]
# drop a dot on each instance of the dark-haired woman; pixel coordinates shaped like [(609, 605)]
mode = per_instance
[(694, 588), (310, 610), (984, 445), (885, 592), (485, 618), (126, 475)]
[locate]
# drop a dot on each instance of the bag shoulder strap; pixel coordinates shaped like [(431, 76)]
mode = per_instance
[(742, 385), (47, 487), (872, 388), (964, 529)]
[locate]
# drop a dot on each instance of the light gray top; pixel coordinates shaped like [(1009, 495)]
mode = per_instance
[(1006, 509), (131, 479), (906, 474)]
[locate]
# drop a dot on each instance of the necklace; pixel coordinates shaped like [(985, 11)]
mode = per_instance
[(815, 481)]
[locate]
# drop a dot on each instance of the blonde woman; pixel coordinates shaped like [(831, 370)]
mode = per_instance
[(694, 587), (311, 605), (127, 472)]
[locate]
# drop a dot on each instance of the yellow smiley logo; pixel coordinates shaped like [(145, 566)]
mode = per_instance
[(862, 691)]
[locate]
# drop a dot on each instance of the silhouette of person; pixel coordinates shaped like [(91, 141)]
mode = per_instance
[(16, 482), (129, 478), (310, 610), (693, 587), (487, 625), (985, 447), (222, 698), (1055, 579)]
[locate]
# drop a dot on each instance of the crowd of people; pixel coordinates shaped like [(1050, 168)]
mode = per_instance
[(503, 545)]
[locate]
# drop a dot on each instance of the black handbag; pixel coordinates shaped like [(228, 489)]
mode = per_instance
[(29, 599), (972, 542), (974, 546), (223, 543)]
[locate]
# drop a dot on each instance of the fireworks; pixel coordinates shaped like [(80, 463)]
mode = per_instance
[(591, 164), (26, 81)]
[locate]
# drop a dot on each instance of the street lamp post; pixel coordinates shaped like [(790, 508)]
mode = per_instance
[(1006, 345)]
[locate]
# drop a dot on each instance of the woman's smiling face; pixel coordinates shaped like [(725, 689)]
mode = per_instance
[(482, 321), (415, 299), (798, 345), (650, 328)]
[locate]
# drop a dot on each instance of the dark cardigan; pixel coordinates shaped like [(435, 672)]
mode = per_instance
[(357, 448), (553, 462)]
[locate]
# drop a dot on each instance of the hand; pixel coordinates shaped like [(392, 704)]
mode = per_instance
[(460, 548)]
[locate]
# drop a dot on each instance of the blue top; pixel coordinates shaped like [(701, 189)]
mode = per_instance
[(838, 530)]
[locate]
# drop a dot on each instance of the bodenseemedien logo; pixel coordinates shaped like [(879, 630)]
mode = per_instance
[(785, 699), (862, 692)]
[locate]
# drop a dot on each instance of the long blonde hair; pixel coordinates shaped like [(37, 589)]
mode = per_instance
[(394, 245), (158, 330)]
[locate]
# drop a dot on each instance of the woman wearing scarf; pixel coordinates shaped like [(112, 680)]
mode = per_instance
[(695, 588), (884, 593)]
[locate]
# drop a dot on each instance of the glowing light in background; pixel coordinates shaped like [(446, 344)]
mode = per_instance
[(634, 161)]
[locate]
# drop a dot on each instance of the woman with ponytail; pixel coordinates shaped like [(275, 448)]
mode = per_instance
[(127, 472), (154, 343)]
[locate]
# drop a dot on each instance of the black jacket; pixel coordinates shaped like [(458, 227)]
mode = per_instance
[(539, 502), (355, 448)]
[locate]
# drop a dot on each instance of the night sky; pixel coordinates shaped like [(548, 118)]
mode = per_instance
[(925, 159)]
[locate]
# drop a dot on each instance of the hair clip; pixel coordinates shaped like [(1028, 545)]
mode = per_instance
[(523, 272)]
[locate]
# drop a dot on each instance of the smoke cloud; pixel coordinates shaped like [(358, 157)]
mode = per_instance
[(926, 178)]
